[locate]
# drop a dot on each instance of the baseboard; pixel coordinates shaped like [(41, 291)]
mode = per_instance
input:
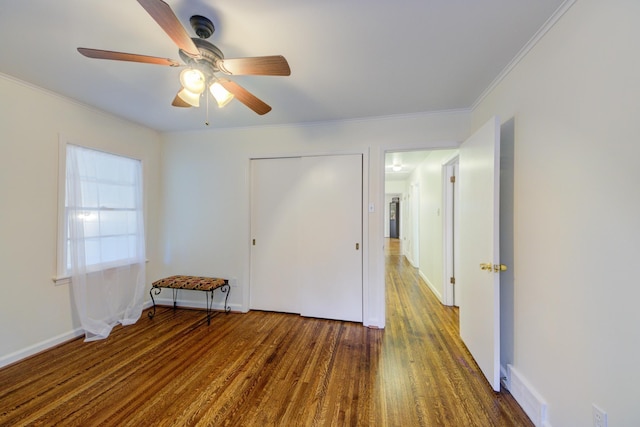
[(504, 377), (201, 305), (430, 285), (46, 344), (527, 397), (40, 347)]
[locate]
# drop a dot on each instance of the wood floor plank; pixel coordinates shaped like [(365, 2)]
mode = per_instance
[(266, 369)]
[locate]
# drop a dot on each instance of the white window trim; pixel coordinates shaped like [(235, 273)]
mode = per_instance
[(61, 276)]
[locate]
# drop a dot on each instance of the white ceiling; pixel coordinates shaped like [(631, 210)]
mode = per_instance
[(407, 160), (349, 58)]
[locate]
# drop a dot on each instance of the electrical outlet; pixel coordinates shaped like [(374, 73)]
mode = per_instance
[(599, 417)]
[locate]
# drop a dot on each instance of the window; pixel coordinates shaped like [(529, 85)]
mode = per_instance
[(102, 211)]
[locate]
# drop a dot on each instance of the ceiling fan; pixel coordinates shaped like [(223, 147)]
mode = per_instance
[(204, 62)]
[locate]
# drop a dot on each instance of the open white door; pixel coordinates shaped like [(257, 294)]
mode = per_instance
[(479, 178)]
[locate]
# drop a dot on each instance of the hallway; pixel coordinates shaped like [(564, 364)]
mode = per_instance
[(429, 376)]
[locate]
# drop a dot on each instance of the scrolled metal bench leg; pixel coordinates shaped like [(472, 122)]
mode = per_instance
[(151, 291), (226, 289)]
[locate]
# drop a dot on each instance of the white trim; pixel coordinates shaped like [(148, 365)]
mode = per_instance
[(546, 27), (61, 268), (61, 280), (62, 276), (504, 376), (66, 280), (449, 217), (430, 285), (200, 305), (34, 349), (336, 122), (40, 347), (527, 397), (80, 104)]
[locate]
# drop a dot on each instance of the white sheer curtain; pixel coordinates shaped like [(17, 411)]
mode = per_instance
[(105, 246)]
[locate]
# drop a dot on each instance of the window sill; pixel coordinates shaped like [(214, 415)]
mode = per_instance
[(59, 281), (66, 280)]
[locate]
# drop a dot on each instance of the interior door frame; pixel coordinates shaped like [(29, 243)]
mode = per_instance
[(450, 216), (414, 194), (381, 292)]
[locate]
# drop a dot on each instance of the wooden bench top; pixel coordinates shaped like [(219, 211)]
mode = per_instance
[(190, 282)]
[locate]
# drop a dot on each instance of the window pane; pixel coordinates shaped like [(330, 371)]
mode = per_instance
[(91, 224), (116, 196), (116, 222), (92, 251), (115, 248), (108, 194), (90, 194)]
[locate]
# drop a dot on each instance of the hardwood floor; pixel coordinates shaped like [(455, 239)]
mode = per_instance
[(265, 369)]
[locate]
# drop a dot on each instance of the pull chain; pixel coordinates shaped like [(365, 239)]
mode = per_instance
[(207, 97)]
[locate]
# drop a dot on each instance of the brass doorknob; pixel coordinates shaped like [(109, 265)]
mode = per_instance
[(496, 268), (499, 267)]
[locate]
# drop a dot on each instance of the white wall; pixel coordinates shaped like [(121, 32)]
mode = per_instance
[(206, 190), (576, 101), (429, 175), (34, 313)]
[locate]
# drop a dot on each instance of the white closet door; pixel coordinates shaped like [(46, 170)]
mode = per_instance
[(331, 237), (275, 214)]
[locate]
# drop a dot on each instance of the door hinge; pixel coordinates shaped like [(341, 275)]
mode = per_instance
[(452, 179), (452, 280)]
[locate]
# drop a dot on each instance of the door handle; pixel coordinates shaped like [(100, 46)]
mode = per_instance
[(496, 268), (486, 266), (499, 267), (357, 246)]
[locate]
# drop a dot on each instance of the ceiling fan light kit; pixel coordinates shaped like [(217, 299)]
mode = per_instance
[(222, 96), (203, 61), (191, 98), (192, 80)]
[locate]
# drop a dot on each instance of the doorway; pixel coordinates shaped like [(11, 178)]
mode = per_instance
[(394, 218), (417, 177)]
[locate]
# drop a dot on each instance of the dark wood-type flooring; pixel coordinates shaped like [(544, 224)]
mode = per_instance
[(265, 369)]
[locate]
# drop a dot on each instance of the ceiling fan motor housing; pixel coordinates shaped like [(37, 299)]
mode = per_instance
[(210, 57), (202, 26)]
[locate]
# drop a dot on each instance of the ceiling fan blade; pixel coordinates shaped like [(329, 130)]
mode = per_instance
[(178, 102), (121, 56), (169, 22), (275, 65), (246, 97)]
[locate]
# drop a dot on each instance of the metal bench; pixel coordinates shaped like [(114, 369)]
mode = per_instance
[(192, 283)]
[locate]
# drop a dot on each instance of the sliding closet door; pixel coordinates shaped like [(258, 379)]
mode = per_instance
[(331, 237), (275, 202), (306, 225)]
